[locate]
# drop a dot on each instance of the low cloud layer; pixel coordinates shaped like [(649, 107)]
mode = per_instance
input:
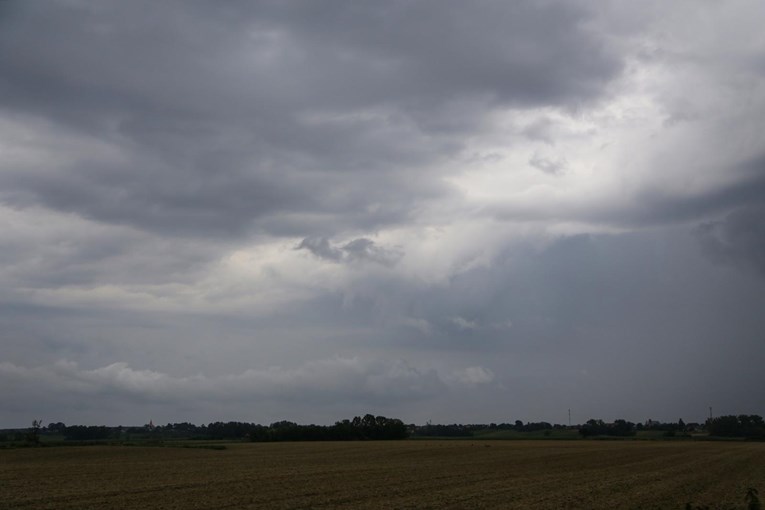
[(337, 378), (348, 383)]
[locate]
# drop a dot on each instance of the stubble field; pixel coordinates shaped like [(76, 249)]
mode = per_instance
[(402, 474)]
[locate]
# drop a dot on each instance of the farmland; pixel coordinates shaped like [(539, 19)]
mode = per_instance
[(401, 474)]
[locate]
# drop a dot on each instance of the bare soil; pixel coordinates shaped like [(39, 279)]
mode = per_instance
[(396, 474)]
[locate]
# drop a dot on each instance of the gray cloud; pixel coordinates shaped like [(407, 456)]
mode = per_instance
[(737, 239), (190, 197), (444, 49), (220, 132), (321, 248), (649, 204), (348, 383), (539, 130), (339, 378), (547, 165), (357, 250), (474, 375)]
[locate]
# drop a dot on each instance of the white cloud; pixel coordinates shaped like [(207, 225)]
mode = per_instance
[(472, 376), (463, 323), (419, 324)]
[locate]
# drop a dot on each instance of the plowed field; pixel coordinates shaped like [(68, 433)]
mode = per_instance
[(403, 474)]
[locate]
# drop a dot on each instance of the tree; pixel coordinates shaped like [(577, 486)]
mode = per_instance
[(743, 425), (600, 428), (33, 436), (87, 433)]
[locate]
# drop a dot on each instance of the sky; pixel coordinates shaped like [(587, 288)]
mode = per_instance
[(451, 211)]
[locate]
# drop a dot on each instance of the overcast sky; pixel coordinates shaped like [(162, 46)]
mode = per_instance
[(431, 210)]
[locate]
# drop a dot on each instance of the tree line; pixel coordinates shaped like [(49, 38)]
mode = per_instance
[(748, 426), (744, 425), (370, 427), (460, 430), (367, 427)]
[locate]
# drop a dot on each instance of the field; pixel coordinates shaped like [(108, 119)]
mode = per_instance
[(396, 474)]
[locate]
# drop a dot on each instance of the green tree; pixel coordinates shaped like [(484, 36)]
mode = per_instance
[(33, 435)]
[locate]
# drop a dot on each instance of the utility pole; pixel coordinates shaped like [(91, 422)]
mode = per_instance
[(569, 417)]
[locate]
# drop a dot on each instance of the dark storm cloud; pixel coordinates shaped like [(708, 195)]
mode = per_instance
[(361, 249), (746, 189), (438, 51), (737, 239), (320, 247), (366, 249), (241, 117), (611, 315), (209, 201), (284, 203)]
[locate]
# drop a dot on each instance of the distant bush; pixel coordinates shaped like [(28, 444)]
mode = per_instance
[(454, 430), (743, 425), (532, 426), (619, 428), (87, 433)]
